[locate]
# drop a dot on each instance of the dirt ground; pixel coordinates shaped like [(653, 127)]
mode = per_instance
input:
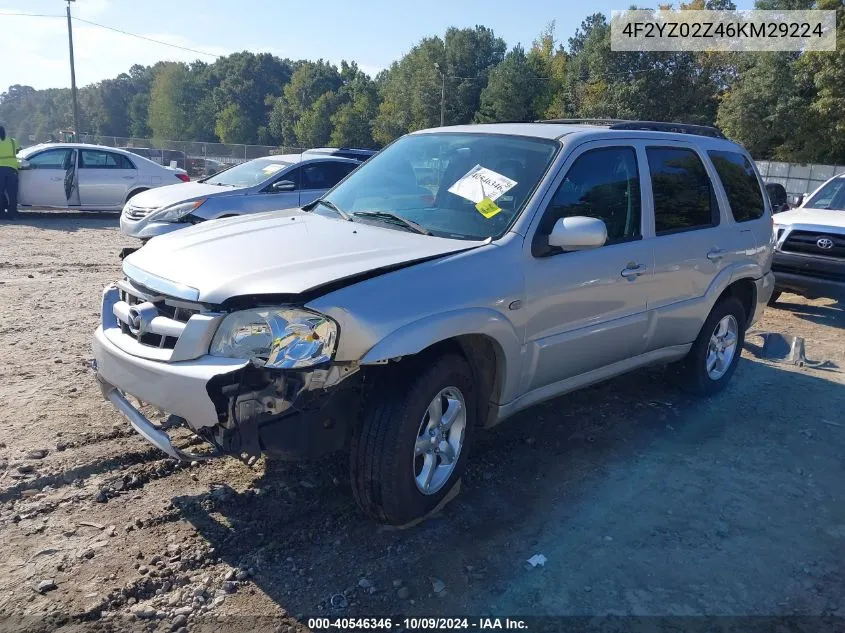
[(643, 501)]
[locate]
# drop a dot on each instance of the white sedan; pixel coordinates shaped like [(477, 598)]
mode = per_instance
[(91, 177)]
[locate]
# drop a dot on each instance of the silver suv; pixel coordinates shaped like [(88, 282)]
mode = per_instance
[(459, 276)]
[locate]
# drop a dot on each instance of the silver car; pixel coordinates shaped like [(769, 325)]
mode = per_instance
[(461, 275), (91, 177), (263, 184)]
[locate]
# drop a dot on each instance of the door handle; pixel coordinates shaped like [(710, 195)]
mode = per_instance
[(128, 177), (633, 270), (56, 179), (715, 254)]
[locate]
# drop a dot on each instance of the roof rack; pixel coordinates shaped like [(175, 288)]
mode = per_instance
[(652, 126), (601, 121)]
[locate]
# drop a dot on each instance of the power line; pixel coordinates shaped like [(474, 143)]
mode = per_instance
[(31, 15), (110, 28), (148, 39)]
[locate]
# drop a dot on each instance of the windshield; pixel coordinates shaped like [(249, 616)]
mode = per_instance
[(458, 185), (248, 174), (831, 196)]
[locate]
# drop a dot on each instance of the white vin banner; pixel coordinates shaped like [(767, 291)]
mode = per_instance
[(693, 30)]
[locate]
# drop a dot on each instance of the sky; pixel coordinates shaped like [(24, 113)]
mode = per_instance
[(372, 32)]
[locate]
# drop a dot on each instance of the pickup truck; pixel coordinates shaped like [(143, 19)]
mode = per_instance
[(809, 257)]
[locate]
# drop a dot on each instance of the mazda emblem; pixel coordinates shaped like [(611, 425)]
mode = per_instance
[(824, 243), (140, 318), (136, 323)]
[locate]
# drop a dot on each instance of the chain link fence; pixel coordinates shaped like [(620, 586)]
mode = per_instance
[(197, 158), (796, 178)]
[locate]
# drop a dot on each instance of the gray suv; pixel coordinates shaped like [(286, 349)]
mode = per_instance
[(461, 275)]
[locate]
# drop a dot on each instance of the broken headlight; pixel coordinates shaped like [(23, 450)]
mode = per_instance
[(282, 338), (177, 211)]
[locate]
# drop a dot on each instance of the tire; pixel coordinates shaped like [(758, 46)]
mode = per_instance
[(775, 296), (693, 369), (386, 471)]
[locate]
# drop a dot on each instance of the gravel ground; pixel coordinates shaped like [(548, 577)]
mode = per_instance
[(642, 500)]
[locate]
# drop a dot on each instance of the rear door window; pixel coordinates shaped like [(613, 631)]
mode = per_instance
[(95, 159), (324, 175), (740, 183), (683, 195)]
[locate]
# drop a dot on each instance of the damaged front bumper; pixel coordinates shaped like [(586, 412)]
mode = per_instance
[(151, 432), (241, 410)]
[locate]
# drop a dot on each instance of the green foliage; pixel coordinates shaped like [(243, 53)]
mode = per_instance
[(411, 88), (511, 90), (356, 109), (233, 125), (170, 102), (783, 105)]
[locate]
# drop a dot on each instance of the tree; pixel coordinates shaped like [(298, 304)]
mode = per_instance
[(314, 127), (246, 79), (511, 90), (824, 74), (411, 88), (233, 125), (547, 58), (169, 109), (765, 105), (358, 106), (309, 82), (788, 105)]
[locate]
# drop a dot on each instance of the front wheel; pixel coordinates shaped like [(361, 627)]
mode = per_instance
[(412, 445), (713, 358)]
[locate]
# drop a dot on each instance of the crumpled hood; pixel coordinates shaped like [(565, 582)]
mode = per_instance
[(281, 252), (818, 217), (161, 197)]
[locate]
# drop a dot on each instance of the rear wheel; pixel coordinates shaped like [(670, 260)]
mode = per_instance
[(713, 358), (411, 447)]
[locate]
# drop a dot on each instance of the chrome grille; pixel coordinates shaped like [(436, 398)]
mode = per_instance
[(808, 243), (164, 321), (138, 213)]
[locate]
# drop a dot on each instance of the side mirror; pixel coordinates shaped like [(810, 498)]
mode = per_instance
[(283, 185), (578, 233), (23, 164), (799, 199)]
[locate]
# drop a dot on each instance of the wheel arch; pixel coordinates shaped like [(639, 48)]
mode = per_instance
[(483, 337), (134, 192), (745, 290), (737, 281)]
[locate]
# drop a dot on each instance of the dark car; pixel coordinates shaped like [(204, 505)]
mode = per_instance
[(777, 197), (344, 152)]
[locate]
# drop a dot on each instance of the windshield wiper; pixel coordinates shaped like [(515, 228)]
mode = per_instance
[(392, 217), (330, 205)]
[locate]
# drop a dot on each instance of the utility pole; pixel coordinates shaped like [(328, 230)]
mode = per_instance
[(442, 94), (72, 76)]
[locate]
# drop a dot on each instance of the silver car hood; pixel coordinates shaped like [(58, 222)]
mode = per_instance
[(168, 195), (281, 252)]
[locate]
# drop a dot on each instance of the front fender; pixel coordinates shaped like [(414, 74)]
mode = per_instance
[(418, 335)]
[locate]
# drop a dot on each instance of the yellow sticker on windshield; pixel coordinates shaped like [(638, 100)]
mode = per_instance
[(272, 169), (487, 208)]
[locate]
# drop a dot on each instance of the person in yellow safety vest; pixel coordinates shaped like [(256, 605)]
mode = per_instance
[(8, 173)]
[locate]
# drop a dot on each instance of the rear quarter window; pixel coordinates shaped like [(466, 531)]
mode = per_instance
[(740, 183)]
